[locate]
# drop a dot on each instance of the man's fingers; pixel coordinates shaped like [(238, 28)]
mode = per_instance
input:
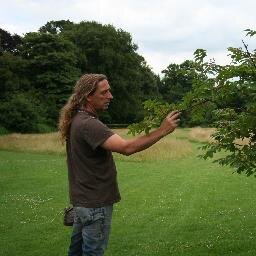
[(172, 113)]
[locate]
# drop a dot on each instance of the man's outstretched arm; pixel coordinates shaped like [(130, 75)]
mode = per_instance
[(115, 143)]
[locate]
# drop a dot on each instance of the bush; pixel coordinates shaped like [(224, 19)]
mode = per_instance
[(3, 130), (44, 128), (19, 114)]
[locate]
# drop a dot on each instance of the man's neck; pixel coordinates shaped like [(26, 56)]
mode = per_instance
[(90, 109)]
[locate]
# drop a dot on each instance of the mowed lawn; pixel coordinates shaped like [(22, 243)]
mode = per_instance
[(173, 203)]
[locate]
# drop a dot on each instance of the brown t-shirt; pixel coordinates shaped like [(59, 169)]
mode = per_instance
[(91, 168)]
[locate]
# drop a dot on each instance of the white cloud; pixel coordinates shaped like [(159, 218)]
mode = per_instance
[(166, 31), (160, 60)]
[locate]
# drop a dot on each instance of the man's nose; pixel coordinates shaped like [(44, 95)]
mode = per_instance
[(110, 96)]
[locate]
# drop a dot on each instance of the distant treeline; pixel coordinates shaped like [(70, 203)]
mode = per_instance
[(38, 71)]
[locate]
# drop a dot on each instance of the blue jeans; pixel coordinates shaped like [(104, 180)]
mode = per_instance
[(90, 231)]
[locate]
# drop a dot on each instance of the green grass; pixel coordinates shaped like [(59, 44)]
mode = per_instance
[(184, 206)]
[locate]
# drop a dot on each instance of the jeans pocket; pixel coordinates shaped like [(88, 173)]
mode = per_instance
[(97, 226), (84, 215), (98, 213)]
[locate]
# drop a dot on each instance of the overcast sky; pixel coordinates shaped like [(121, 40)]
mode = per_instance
[(166, 31)]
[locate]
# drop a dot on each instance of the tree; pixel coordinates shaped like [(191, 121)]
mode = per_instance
[(230, 92), (51, 69), (12, 75), (8, 42), (45, 65), (17, 113), (105, 49), (55, 27), (177, 81), (20, 113), (233, 91)]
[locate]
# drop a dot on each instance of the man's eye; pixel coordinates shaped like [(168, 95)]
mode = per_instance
[(105, 92)]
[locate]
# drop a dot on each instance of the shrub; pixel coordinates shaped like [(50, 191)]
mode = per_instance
[(19, 114)]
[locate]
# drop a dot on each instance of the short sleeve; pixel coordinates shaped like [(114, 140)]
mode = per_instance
[(95, 132)]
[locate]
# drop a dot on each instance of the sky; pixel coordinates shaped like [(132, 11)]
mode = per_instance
[(166, 31)]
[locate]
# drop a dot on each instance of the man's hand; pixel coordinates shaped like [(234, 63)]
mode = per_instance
[(170, 122)]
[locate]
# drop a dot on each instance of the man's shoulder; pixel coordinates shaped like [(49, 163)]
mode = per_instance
[(87, 121), (83, 118), (91, 129)]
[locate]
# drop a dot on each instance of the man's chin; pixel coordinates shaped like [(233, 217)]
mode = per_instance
[(103, 108), (106, 106)]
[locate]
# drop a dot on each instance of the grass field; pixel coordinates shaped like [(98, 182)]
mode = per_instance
[(173, 203)]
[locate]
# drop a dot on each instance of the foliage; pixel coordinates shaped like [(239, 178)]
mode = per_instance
[(178, 80), (47, 63), (3, 130), (23, 110), (55, 27), (8, 42), (154, 112), (105, 49), (233, 91), (229, 92), (51, 61), (12, 75)]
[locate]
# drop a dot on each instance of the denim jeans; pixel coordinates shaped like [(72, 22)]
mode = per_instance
[(90, 231)]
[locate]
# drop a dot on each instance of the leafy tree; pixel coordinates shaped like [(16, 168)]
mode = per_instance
[(46, 64), (8, 42), (12, 75), (177, 81), (20, 110), (13, 83), (55, 27), (233, 91), (52, 69), (230, 92), (20, 113), (105, 49)]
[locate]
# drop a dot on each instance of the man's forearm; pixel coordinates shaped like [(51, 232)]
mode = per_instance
[(143, 142), (127, 147)]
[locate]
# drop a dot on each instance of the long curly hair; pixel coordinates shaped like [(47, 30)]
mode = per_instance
[(86, 85)]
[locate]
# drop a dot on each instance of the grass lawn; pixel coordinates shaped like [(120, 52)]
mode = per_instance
[(171, 204)]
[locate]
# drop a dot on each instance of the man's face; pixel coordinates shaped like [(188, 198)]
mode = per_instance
[(101, 98)]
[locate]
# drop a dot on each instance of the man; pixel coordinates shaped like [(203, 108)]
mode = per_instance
[(91, 169)]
